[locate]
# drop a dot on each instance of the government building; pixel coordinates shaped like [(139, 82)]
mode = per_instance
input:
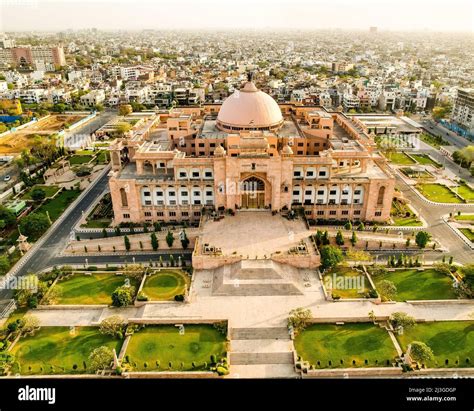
[(249, 153)]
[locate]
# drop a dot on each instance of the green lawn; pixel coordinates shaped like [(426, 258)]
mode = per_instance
[(425, 160), (348, 283), (99, 223), (55, 350), (438, 193), (165, 344), (343, 344), (468, 233), (402, 215), (96, 288), (166, 284), (465, 192), (415, 173), (419, 285), (102, 157), (400, 159), (49, 191), (58, 204), (465, 217), (449, 340), (77, 159)]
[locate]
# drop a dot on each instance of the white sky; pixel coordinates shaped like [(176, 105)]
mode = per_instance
[(433, 15)]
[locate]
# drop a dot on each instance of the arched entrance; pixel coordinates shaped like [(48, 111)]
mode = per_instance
[(253, 193)]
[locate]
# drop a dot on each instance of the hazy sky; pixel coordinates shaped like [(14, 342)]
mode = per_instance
[(436, 15)]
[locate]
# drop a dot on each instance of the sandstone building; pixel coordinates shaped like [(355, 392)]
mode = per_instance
[(249, 153)]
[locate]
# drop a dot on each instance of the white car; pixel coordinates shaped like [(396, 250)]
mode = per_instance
[(7, 178)]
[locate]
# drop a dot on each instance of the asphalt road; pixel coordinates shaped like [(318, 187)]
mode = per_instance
[(451, 137)]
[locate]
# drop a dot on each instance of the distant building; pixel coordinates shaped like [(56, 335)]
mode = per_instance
[(373, 29), (463, 110), (93, 98), (41, 57)]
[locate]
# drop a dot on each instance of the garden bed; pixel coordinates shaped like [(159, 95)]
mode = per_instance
[(58, 204), (345, 346), (164, 348), (49, 191), (85, 289), (413, 284), (164, 285), (59, 350), (450, 340), (468, 233), (345, 282), (401, 159), (438, 193)]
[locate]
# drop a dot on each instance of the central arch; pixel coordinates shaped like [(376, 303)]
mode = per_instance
[(253, 192)]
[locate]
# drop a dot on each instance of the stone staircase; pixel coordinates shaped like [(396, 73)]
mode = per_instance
[(256, 278), (261, 353)]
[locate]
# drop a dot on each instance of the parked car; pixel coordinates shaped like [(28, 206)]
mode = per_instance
[(7, 178)]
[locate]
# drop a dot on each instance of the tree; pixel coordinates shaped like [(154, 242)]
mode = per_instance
[(169, 239), (123, 296), (127, 243), (104, 233), (122, 128), (422, 238), (420, 352), (100, 358), (330, 256), (387, 290), (348, 226), (38, 194), (4, 264), (31, 323), (353, 239), (299, 318), (34, 225), (467, 273), (113, 326), (134, 271), (7, 216), (339, 238), (154, 241), (325, 238), (401, 319), (23, 294), (184, 240), (125, 109)]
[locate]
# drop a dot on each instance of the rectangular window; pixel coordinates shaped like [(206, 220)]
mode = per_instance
[(309, 173), (322, 174), (209, 193), (126, 216), (195, 174), (184, 214), (208, 174), (308, 192), (320, 192), (182, 174), (147, 194), (147, 214), (320, 212), (378, 214), (297, 174), (332, 212), (333, 192), (308, 212), (345, 212), (171, 193), (197, 214), (356, 212), (356, 192), (296, 193), (160, 214), (172, 213)]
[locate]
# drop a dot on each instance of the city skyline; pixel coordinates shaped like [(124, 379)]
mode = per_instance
[(458, 16)]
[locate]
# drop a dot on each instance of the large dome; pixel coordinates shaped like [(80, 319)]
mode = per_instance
[(249, 109)]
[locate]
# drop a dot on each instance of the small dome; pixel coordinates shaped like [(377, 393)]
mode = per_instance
[(219, 151), (287, 150)]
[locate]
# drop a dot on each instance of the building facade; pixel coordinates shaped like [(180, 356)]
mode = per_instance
[(250, 153), (463, 110)]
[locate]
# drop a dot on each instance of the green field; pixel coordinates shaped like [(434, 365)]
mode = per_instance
[(351, 287), (400, 159), (165, 344), (438, 193), (412, 172), (164, 285), (49, 191), (419, 285), (465, 217), (56, 350), (449, 340), (77, 159), (96, 288), (343, 344), (468, 233), (58, 204), (425, 160), (403, 216), (465, 192)]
